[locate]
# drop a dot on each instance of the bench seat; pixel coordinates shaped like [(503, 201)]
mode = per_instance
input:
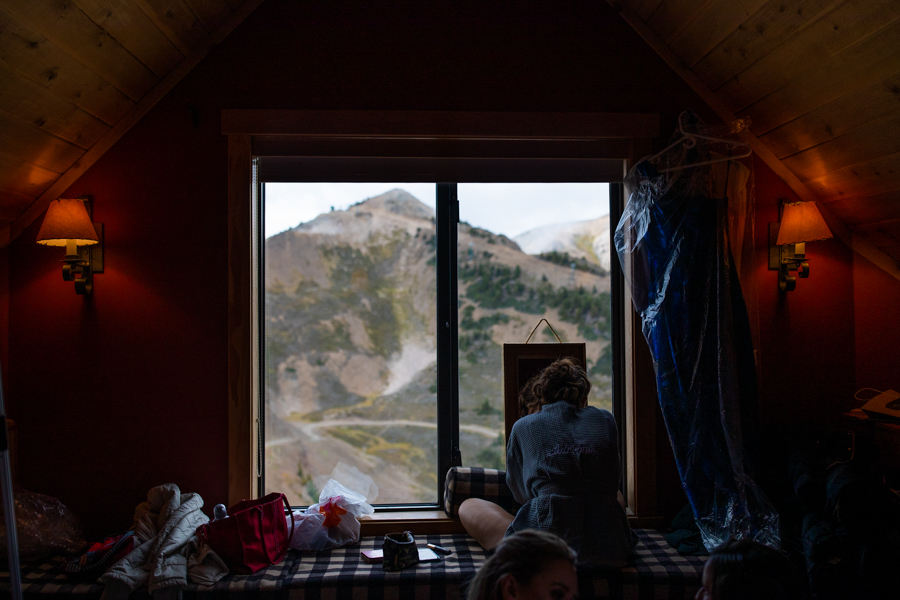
[(657, 572)]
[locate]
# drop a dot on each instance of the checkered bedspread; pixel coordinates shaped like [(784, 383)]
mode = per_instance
[(657, 572)]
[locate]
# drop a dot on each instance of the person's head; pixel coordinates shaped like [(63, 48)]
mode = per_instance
[(748, 570), (528, 403), (527, 565), (563, 380)]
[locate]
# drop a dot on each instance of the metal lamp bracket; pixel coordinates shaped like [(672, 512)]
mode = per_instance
[(786, 259), (78, 270), (81, 266), (92, 255)]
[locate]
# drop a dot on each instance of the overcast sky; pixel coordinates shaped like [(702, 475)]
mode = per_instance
[(507, 208)]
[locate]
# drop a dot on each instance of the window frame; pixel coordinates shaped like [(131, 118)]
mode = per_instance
[(497, 145)]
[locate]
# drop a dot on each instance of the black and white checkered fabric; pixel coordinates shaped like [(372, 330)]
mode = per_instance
[(474, 482), (658, 572)]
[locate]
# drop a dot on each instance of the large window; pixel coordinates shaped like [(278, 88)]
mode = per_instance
[(382, 346), (474, 295)]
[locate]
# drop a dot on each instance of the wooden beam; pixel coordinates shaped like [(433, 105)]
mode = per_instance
[(869, 251), (176, 21), (135, 31), (212, 13), (860, 210), (35, 145), (892, 251), (882, 233), (874, 176), (673, 16), (13, 202), (242, 429), (644, 8), (24, 177), (12, 231)]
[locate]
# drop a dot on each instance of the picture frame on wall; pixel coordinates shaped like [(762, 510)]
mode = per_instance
[(523, 361)]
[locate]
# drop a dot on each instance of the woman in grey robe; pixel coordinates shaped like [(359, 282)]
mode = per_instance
[(563, 467)]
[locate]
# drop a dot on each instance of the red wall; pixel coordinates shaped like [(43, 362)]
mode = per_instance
[(877, 317), (4, 317), (126, 390), (807, 346)]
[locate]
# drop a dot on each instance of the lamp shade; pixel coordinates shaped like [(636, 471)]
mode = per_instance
[(802, 222), (67, 220)]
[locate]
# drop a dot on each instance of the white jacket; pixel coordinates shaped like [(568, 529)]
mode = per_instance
[(168, 550)]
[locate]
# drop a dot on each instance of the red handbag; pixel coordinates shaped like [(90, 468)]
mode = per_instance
[(253, 536)]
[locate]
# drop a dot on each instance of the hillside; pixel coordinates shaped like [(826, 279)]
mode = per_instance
[(582, 239), (350, 343)]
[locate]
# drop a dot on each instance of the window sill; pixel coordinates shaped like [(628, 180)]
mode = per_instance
[(426, 522), (417, 521)]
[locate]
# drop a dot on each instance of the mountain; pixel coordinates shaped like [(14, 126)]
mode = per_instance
[(350, 343), (582, 239)]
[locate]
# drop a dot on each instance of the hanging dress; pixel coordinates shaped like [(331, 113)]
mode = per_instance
[(674, 244)]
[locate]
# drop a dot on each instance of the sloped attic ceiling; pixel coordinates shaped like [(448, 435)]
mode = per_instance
[(75, 75), (819, 78)]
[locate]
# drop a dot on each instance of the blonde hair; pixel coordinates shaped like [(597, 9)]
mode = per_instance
[(522, 555), (527, 399)]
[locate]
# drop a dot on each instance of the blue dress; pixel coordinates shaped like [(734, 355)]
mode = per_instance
[(562, 465)]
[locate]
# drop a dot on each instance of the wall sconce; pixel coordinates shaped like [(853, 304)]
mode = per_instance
[(800, 222), (68, 224)]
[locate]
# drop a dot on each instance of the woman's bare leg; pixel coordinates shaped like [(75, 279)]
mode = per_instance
[(484, 521)]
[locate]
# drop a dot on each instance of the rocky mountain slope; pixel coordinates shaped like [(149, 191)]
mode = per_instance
[(582, 239), (350, 343)]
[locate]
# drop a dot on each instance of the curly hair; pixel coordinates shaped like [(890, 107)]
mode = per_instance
[(563, 380), (747, 570), (522, 555), (527, 399)]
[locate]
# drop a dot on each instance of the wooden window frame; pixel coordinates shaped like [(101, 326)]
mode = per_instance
[(444, 140)]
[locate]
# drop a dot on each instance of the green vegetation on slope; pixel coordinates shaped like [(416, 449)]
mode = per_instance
[(494, 285), (581, 264)]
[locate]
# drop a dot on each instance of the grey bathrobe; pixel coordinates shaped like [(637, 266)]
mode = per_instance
[(562, 465)]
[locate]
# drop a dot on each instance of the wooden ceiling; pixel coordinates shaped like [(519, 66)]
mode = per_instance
[(820, 80), (75, 75)]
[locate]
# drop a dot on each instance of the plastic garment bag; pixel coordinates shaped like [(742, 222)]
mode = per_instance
[(675, 248)]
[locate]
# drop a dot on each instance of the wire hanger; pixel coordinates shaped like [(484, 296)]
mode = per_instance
[(689, 140)]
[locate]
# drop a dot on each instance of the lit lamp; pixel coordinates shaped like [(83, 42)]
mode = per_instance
[(68, 224), (801, 222)]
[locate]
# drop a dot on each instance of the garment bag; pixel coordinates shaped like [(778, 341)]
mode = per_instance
[(674, 244)]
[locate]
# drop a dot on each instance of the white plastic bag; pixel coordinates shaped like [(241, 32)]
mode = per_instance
[(331, 523)]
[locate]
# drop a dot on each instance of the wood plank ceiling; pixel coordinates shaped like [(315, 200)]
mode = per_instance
[(76, 74), (820, 80)]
